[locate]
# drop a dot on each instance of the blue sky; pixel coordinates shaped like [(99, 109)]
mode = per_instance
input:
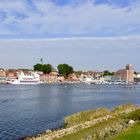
[(68, 18), (121, 3), (53, 20)]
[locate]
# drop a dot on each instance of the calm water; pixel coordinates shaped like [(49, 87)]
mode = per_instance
[(27, 110)]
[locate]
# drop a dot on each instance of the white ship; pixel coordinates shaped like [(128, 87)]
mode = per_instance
[(32, 78)]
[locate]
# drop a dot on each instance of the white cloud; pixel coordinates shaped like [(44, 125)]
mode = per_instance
[(86, 19)]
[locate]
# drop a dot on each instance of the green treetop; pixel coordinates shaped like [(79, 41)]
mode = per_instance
[(38, 67), (65, 69), (107, 73), (46, 68)]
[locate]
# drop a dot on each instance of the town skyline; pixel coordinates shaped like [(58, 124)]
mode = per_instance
[(55, 68)]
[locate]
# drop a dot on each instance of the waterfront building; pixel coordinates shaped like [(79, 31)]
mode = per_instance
[(126, 74), (93, 78), (73, 77), (10, 75), (52, 77), (2, 76), (42, 77), (111, 78), (61, 78)]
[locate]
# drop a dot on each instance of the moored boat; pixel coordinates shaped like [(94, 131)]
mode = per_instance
[(32, 78)]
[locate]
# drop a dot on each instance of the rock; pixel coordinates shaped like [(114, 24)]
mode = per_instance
[(89, 137), (48, 131), (131, 122)]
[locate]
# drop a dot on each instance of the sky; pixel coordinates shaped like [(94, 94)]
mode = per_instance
[(87, 34)]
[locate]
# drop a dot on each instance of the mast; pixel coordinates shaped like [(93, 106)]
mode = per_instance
[(41, 60)]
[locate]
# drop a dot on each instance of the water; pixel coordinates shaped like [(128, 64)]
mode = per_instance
[(30, 109)]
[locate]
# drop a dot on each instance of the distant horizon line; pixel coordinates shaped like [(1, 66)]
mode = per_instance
[(72, 38)]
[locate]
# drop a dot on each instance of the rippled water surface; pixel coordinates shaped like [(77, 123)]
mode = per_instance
[(30, 109)]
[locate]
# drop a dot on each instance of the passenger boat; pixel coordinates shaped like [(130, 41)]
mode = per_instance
[(32, 78)]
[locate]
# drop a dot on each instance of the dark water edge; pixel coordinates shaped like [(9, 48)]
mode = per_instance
[(26, 110), (44, 132)]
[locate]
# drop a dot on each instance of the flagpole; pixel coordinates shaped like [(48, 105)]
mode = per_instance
[(41, 60)]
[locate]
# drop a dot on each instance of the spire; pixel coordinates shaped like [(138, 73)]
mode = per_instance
[(41, 60)]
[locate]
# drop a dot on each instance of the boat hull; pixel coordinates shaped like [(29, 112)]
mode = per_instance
[(16, 82)]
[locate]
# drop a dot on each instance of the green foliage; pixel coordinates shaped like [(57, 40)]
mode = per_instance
[(122, 108), (88, 115), (99, 131), (135, 115), (47, 68), (116, 127), (38, 67), (133, 133), (65, 69), (107, 73)]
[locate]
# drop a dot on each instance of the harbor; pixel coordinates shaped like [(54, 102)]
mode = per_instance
[(122, 76)]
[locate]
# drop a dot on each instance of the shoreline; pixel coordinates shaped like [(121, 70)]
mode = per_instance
[(70, 83), (72, 126)]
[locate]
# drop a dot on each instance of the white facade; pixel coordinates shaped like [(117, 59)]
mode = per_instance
[(32, 78)]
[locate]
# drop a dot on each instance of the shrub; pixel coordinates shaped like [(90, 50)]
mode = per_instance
[(124, 108), (135, 115)]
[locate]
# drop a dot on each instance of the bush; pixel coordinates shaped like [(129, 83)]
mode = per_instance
[(124, 108), (135, 115)]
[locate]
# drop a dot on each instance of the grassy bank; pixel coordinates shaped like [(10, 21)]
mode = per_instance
[(89, 115), (85, 116), (116, 128), (100, 124), (133, 133), (99, 131)]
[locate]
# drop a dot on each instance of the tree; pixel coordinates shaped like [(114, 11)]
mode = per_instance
[(65, 69), (47, 68), (38, 67), (78, 72), (107, 73)]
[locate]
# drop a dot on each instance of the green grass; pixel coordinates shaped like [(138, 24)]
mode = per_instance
[(115, 128), (132, 133), (135, 115), (97, 132), (122, 108), (103, 130), (84, 116), (89, 115)]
